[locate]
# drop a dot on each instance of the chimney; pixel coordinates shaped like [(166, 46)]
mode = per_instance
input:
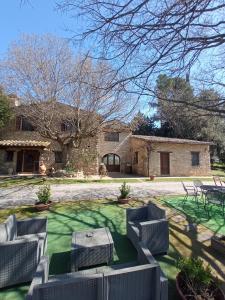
[(13, 100), (188, 77)]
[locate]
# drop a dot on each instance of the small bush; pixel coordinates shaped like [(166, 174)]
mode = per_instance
[(69, 169), (124, 191), (197, 280), (44, 194)]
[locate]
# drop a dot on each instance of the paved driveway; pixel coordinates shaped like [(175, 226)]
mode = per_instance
[(27, 194)]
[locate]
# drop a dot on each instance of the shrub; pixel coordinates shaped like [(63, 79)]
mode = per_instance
[(197, 280), (124, 191), (69, 169), (44, 194)]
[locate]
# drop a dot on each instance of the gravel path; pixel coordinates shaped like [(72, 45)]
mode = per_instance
[(27, 194)]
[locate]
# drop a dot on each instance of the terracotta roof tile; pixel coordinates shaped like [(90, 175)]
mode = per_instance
[(25, 143), (159, 139)]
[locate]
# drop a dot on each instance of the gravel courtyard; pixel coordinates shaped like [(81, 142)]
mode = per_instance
[(21, 195)]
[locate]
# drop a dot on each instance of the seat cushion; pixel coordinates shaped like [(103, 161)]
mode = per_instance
[(11, 228), (41, 241), (3, 233), (155, 212)]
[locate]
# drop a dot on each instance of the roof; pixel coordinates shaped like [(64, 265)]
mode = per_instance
[(159, 139), (115, 125), (25, 143)]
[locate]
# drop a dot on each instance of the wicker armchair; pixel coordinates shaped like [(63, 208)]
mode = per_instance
[(64, 286), (22, 243), (135, 280), (148, 224)]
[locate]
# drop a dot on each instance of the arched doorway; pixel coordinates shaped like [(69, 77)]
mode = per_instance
[(112, 162)]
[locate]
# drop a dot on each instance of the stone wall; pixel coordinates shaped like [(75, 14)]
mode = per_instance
[(180, 158), (85, 157), (121, 148)]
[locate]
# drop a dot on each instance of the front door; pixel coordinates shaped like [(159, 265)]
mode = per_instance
[(165, 163), (28, 161), (112, 162)]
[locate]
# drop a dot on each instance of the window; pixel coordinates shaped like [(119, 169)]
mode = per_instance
[(112, 162), (70, 125), (66, 126), (58, 157), (9, 156), (195, 161), (135, 157), (23, 125), (112, 136)]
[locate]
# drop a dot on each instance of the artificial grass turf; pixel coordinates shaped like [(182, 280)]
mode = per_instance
[(198, 214), (65, 218)]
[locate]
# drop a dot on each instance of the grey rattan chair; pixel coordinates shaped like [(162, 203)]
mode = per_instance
[(22, 243), (135, 280), (148, 224), (214, 197)]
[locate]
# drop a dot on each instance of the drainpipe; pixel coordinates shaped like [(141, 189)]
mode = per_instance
[(148, 155)]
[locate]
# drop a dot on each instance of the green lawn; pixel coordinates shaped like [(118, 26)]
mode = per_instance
[(65, 218), (197, 214), (218, 169), (10, 182)]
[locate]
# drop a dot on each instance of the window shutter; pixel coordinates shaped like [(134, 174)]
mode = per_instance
[(18, 123)]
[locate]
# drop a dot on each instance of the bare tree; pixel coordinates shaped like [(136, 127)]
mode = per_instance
[(144, 38), (59, 90)]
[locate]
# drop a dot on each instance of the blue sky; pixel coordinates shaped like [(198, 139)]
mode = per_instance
[(37, 17)]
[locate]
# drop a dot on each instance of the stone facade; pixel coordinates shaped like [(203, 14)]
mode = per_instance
[(87, 151), (120, 148), (139, 154), (180, 159)]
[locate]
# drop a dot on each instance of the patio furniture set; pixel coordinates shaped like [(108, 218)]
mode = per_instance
[(209, 195), (147, 229)]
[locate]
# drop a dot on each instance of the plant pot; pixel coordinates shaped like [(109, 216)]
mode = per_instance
[(219, 295), (42, 169), (42, 206), (123, 200), (152, 177)]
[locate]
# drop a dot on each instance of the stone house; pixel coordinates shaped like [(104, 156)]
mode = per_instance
[(22, 149), (161, 156)]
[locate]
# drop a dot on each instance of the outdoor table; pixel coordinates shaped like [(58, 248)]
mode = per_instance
[(206, 187), (91, 247)]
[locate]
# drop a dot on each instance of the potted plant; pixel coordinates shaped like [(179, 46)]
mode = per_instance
[(218, 243), (124, 194), (195, 282), (43, 194), (152, 177)]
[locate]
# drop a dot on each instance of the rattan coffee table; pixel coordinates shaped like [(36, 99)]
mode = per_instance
[(92, 247)]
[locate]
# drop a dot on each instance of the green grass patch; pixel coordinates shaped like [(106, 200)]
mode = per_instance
[(26, 181), (65, 218), (198, 214), (218, 169)]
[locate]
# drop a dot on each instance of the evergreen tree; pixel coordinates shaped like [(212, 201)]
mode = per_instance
[(5, 111)]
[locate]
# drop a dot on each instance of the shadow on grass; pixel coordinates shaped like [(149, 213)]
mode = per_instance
[(60, 263)]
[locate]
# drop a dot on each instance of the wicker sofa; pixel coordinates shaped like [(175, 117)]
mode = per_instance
[(148, 224), (142, 280), (22, 244)]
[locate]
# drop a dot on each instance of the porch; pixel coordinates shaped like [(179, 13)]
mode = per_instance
[(19, 157)]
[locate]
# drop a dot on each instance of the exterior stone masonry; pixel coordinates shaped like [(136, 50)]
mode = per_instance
[(121, 148), (139, 154), (179, 158)]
